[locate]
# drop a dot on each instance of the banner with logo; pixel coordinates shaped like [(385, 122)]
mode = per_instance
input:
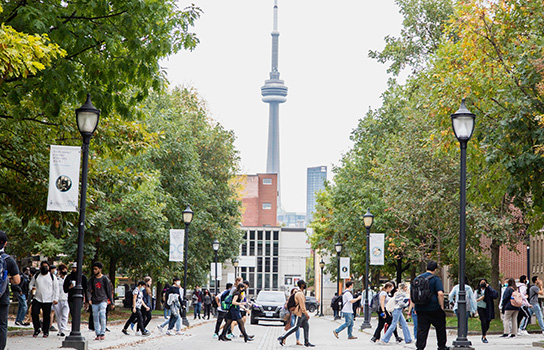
[(219, 271), (344, 268), (377, 248), (177, 239), (63, 178)]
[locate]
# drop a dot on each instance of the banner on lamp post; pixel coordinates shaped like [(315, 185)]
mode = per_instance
[(344, 268), (63, 178), (219, 273), (177, 240), (377, 248)]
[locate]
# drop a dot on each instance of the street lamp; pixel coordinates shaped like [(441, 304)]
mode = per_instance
[(87, 120), (368, 220), (338, 247), (235, 263), (463, 126), (321, 265), (187, 218), (215, 246)]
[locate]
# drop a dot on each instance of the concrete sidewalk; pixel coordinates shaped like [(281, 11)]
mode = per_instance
[(199, 336)]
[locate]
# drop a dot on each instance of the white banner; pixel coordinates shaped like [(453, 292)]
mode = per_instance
[(176, 244), (377, 248), (344, 268), (247, 261), (63, 178), (219, 271)]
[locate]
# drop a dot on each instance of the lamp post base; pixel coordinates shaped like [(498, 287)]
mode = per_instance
[(75, 342), (365, 326), (462, 344)]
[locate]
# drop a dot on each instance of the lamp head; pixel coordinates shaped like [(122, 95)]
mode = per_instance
[(463, 123), (87, 117), (235, 263), (215, 245), (321, 264), (338, 247), (368, 219), (187, 215)]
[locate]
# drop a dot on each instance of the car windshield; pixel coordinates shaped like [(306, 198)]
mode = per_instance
[(275, 297)]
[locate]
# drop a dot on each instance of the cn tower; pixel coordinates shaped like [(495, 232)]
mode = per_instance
[(274, 92)]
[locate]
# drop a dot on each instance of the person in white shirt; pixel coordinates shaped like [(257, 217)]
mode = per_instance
[(62, 308), (347, 311), (47, 295)]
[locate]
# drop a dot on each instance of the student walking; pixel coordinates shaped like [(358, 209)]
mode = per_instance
[(384, 317), (221, 314), (234, 314), (173, 302), (534, 309), (46, 295), (302, 316), (509, 310), (347, 310), (401, 300), (136, 316), (207, 301), (62, 309), (431, 312), (486, 310), (14, 278), (101, 297)]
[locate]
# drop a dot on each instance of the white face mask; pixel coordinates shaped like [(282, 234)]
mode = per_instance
[(178, 283)]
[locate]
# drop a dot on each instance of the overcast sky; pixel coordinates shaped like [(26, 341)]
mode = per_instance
[(323, 59)]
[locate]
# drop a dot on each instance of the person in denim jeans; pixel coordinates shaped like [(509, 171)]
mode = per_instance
[(534, 291), (101, 296), (347, 311), (401, 301), (14, 278), (22, 292)]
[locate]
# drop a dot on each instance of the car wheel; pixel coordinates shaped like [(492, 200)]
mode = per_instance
[(311, 309), (252, 319)]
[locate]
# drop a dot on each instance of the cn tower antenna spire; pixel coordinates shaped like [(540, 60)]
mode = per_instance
[(274, 92)]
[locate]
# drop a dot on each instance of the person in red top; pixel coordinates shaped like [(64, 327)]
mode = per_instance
[(197, 301)]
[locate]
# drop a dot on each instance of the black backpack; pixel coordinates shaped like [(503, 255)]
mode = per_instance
[(291, 303), (375, 303), (420, 290)]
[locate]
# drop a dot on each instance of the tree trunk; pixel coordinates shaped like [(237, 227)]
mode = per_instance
[(158, 296), (113, 263), (399, 271), (495, 282)]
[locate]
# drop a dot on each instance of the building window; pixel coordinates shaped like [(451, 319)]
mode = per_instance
[(267, 205), (267, 181)]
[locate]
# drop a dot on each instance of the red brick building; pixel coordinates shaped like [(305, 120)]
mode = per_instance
[(259, 200)]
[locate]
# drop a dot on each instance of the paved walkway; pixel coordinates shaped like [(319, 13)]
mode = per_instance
[(199, 336)]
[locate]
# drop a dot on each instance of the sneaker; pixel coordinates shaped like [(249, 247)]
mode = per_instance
[(45, 335), (132, 326), (61, 334), (309, 345), (97, 337), (230, 335), (352, 337), (373, 339), (17, 323), (52, 328), (159, 327), (179, 333), (512, 336), (214, 335), (484, 340), (399, 340), (26, 323), (280, 339), (35, 334), (335, 334), (145, 334), (124, 331), (168, 332), (519, 332), (102, 337), (138, 333), (524, 332), (504, 336)]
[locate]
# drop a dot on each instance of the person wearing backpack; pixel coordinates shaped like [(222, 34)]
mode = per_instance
[(46, 295), (221, 314), (511, 302), (10, 273), (347, 310), (301, 314), (20, 292), (335, 305), (427, 293), (534, 309), (234, 302), (384, 317), (173, 303), (399, 301)]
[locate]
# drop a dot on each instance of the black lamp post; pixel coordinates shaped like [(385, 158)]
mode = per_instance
[(235, 263), (368, 220), (321, 265), (87, 120), (187, 218), (215, 246), (463, 126), (338, 247)]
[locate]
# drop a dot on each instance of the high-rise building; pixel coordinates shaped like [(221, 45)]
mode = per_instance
[(315, 182), (274, 92)]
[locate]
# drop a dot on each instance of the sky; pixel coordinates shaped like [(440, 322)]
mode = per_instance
[(323, 59)]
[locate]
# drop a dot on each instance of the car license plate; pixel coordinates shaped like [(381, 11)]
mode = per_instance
[(269, 314)]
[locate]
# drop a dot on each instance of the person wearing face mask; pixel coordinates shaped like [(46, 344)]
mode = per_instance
[(62, 308), (46, 286), (13, 272), (173, 302), (486, 310), (69, 284), (137, 303)]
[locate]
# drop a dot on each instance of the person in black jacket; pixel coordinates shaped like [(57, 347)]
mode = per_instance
[(486, 310), (70, 283)]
